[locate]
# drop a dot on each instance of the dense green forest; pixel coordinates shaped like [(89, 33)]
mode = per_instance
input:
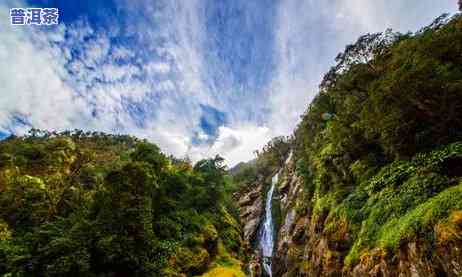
[(379, 153), (380, 147), (90, 204)]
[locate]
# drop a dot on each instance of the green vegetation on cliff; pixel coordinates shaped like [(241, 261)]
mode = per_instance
[(81, 204), (379, 151), (380, 146)]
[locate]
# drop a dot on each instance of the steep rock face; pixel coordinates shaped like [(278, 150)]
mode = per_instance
[(305, 247), (292, 239), (251, 210), (412, 260), (419, 258)]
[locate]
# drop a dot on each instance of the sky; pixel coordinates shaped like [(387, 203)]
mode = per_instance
[(198, 78)]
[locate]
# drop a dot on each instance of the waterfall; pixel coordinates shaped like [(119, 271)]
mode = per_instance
[(267, 236)]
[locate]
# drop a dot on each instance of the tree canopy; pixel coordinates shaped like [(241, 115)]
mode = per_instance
[(91, 204)]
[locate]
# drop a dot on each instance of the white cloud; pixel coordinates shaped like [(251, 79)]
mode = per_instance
[(309, 34), (240, 143), (172, 141), (122, 53), (37, 87), (112, 72), (165, 85), (235, 144), (157, 68), (374, 16), (51, 89), (31, 82), (96, 50)]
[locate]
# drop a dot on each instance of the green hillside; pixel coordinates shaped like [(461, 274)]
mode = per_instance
[(81, 204)]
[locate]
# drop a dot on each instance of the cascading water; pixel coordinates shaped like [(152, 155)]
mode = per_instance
[(267, 236)]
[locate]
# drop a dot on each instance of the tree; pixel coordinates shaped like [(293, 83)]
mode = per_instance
[(363, 52), (124, 218), (210, 192), (150, 153)]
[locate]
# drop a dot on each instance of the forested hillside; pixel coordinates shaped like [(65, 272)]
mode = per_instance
[(374, 185), (91, 204)]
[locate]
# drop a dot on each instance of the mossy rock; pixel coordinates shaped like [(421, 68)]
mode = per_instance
[(34, 182), (449, 230)]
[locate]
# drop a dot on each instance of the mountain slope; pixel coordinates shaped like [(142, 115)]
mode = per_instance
[(373, 187)]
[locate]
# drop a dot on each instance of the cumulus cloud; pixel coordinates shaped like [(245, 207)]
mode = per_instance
[(235, 144)]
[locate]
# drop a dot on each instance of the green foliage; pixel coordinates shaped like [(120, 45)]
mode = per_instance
[(149, 153), (402, 201), (212, 173), (379, 147), (272, 156), (246, 173), (268, 161), (91, 204), (389, 97)]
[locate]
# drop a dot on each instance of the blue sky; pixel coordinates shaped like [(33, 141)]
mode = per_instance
[(198, 78)]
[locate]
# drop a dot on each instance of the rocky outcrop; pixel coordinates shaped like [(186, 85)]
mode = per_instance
[(305, 248), (251, 210), (414, 260), (292, 234), (255, 267)]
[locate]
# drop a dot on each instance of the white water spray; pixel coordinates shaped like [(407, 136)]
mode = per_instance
[(267, 236)]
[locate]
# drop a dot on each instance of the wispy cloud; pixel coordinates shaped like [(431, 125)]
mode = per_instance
[(310, 34), (197, 77), (32, 87)]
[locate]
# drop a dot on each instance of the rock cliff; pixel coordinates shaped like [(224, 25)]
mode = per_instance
[(313, 243), (374, 184)]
